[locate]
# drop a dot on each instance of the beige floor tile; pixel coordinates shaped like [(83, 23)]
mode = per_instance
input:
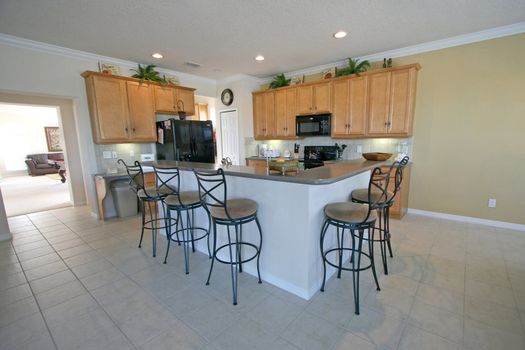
[(21, 240), (46, 283), (441, 298), (17, 310), (311, 332), (497, 294), (66, 244), (479, 336), (70, 310), (12, 280), (495, 315), (23, 332), (183, 336), (11, 295), (102, 278), (83, 258), (434, 320), (45, 270), (43, 342), (30, 246), (275, 314), (68, 253), (40, 261), (381, 330), (351, 341), (244, 334), (454, 283), (391, 302), (35, 253), (60, 294), (415, 338), (91, 268), (488, 274)]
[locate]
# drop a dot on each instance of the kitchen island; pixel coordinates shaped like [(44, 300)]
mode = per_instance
[(290, 210)]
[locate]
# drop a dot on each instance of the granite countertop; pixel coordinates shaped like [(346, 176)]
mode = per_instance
[(121, 173), (327, 174)]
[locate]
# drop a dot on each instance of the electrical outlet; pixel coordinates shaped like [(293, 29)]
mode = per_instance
[(114, 154), (106, 154), (132, 153), (492, 203), (359, 149)]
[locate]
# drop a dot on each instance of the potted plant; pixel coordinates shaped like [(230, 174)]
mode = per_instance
[(354, 67), (149, 73), (279, 81)]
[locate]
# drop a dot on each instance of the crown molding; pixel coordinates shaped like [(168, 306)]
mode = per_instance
[(239, 77), (493, 33), (23, 43)]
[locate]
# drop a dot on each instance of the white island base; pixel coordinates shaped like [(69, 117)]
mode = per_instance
[(291, 215)]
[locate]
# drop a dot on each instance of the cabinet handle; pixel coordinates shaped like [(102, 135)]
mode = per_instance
[(133, 129), (126, 129)]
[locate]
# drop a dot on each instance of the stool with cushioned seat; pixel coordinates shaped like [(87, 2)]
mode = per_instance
[(168, 181), (355, 218), (229, 212), (361, 196)]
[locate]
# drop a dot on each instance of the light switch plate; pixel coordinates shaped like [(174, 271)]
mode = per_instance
[(147, 157), (106, 154), (359, 149)]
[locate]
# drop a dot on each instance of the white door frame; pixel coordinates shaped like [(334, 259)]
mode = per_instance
[(236, 110)]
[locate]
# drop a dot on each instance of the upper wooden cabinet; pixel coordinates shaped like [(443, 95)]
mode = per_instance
[(285, 113), (171, 100), (263, 115), (121, 110), (392, 100), (349, 107), (314, 98)]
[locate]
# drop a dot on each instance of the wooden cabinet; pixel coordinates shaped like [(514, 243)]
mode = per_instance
[(263, 115), (349, 107), (392, 99), (171, 100), (314, 98), (400, 206), (285, 113), (258, 163), (121, 111)]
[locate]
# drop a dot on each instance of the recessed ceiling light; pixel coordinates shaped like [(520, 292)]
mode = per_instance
[(340, 35), (157, 55), (259, 58)]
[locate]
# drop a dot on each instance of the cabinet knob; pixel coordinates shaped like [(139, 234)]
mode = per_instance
[(126, 129), (133, 129)]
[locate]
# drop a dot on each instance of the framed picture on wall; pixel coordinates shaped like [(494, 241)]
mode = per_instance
[(53, 138), (108, 68)]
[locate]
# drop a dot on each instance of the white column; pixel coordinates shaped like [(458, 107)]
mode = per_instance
[(5, 234)]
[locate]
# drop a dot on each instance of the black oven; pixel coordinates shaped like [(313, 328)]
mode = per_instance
[(312, 125)]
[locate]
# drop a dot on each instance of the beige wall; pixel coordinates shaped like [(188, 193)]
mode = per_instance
[(469, 131)]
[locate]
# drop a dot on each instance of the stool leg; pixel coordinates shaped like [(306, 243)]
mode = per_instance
[(185, 239), (354, 285), (208, 234), (356, 273), (382, 245), (321, 244), (192, 230), (340, 245), (260, 247), (371, 252), (154, 230), (233, 265), (168, 234), (238, 236), (214, 251), (387, 223), (143, 207)]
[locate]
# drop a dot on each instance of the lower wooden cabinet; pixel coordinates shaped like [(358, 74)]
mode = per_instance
[(400, 207), (258, 163)]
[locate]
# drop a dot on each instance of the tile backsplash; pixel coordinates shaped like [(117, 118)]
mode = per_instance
[(387, 145), (128, 152)]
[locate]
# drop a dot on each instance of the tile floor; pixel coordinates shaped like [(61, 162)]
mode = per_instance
[(68, 281)]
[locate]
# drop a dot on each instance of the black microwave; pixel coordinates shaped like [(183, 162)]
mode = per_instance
[(312, 125)]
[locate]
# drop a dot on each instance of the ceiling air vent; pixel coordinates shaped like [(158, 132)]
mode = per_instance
[(192, 64)]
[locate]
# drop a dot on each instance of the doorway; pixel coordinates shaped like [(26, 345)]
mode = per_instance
[(230, 135), (32, 165)]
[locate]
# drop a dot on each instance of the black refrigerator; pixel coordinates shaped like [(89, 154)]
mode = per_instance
[(185, 140)]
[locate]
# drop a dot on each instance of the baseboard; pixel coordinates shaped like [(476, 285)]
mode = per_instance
[(469, 219)]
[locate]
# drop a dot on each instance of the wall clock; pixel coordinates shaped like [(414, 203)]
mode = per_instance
[(227, 97)]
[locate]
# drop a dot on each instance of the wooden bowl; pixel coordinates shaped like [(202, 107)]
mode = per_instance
[(378, 156)]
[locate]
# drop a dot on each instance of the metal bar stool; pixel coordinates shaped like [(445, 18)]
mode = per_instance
[(168, 181), (229, 212), (355, 218), (149, 197), (361, 196)]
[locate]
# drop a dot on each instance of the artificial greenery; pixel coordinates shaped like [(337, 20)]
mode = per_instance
[(149, 73), (354, 67), (279, 81)]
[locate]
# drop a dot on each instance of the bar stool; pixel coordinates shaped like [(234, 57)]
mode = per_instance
[(149, 197), (361, 196), (229, 212), (168, 181), (356, 218)]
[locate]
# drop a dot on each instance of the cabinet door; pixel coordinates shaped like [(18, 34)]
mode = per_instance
[(305, 97), (401, 101), (291, 112), (270, 115), (141, 112), (340, 108), (187, 98), (164, 99), (379, 103), (357, 105), (322, 102), (259, 116), (111, 105), (280, 113)]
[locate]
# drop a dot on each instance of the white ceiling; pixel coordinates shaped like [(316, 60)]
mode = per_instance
[(224, 36)]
